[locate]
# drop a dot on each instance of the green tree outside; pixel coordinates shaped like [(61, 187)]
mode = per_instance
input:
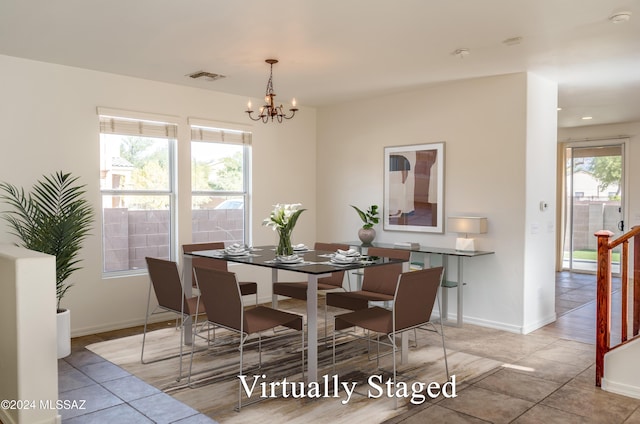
[(607, 170)]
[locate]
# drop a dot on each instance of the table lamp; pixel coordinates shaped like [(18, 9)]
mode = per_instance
[(466, 225)]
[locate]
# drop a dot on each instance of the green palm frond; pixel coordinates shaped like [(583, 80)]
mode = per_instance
[(54, 218)]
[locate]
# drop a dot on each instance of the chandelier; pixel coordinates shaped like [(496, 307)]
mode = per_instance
[(269, 109)]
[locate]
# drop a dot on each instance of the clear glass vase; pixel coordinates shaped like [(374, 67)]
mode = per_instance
[(284, 243)]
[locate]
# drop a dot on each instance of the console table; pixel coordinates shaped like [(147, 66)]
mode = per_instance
[(447, 255)]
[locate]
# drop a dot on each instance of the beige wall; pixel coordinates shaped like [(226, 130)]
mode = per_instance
[(540, 230), (483, 123), (49, 123), (28, 367)]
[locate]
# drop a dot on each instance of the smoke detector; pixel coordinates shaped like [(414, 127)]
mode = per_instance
[(209, 76)]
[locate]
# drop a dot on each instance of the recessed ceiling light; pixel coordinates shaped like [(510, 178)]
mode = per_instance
[(620, 17), (586, 118), (559, 109), (461, 53)]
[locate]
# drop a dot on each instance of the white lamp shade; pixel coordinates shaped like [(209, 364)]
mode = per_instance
[(467, 224)]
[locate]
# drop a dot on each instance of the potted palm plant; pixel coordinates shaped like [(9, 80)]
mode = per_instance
[(370, 217), (54, 218)]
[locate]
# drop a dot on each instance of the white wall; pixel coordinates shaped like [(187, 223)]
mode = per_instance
[(49, 122), (542, 124), (28, 352), (621, 373), (483, 123)]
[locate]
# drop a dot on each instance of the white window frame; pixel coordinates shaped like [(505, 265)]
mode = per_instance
[(140, 118), (221, 133)]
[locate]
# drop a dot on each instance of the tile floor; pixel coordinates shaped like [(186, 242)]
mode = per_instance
[(113, 395), (549, 378), (574, 290)]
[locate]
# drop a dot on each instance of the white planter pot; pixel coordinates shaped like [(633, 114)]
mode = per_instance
[(64, 332)]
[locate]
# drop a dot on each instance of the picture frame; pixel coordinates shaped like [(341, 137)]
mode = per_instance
[(414, 188)]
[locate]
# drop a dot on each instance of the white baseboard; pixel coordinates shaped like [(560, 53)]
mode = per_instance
[(487, 323), (621, 388), (504, 326), (119, 325), (532, 327)]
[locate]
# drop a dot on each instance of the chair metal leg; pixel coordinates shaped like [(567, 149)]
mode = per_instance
[(444, 349), (193, 347), (146, 318), (302, 335), (392, 339), (259, 350), (378, 350), (181, 338), (239, 383), (333, 355)]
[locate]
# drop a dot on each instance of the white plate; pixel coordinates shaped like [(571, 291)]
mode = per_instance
[(290, 261), (236, 253), (345, 262), (350, 253)]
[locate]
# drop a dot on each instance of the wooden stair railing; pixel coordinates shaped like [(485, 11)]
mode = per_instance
[(603, 293)]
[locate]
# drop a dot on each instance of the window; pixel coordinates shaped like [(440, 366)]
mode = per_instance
[(219, 183), (138, 191)]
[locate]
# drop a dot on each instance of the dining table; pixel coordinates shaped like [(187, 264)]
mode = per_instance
[(314, 264)]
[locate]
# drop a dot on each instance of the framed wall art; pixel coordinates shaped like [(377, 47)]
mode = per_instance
[(414, 188)]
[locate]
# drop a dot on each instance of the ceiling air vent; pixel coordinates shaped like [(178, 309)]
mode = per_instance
[(209, 76)]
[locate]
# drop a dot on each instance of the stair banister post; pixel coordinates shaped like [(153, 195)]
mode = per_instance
[(603, 302), (636, 285)]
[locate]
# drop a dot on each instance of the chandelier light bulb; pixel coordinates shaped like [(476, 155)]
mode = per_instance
[(293, 102)]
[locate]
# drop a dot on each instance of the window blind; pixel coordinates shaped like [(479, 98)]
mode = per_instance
[(134, 127), (218, 135)]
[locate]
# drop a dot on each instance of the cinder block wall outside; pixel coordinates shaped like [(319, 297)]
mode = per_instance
[(130, 236)]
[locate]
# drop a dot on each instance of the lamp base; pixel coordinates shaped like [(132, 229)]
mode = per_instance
[(465, 244)]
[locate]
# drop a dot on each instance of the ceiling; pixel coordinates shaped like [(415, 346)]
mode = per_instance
[(334, 51)]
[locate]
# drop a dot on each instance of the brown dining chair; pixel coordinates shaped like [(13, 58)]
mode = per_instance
[(415, 294), (221, 296), (167, 286), (378, 283), (246, 288)]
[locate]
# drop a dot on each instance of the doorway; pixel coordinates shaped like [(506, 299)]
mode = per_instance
[(593, 201)]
